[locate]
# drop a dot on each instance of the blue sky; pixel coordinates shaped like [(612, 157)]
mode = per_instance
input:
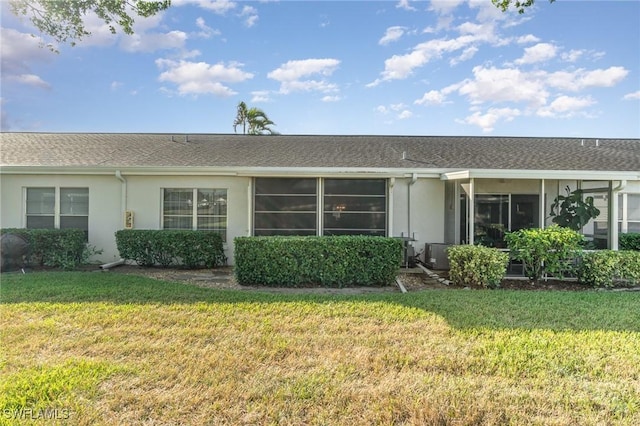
[(446, 67)]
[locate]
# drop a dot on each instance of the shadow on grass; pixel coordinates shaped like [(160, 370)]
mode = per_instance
[(462, 309)]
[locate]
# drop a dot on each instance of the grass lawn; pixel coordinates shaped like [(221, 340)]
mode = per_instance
[(100, 348)]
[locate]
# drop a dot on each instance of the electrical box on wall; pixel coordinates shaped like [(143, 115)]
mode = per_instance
[(128, 219)]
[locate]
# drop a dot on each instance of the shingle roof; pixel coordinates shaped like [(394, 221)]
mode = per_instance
[(422, 152)]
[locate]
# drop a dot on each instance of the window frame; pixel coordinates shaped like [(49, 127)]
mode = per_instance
[(195, 215), (57, 214), (319, 211)]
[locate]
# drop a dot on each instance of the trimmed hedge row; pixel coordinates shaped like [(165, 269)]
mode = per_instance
[(59, 248), (477, 266), (191, 249), (332, 261), (545, 251), (609, 268), (630, 241)]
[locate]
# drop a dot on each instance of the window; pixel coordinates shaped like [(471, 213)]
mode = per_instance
[(285, 206), (631, 204), (64, 208), (292, 206), (499, 213), (355, 207), (207, 213)]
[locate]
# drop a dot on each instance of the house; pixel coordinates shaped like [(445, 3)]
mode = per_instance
[(428, 189)]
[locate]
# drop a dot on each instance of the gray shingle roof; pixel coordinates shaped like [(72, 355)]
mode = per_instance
[(422, 152)]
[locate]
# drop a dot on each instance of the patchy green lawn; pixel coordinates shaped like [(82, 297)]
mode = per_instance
[(94, 348)]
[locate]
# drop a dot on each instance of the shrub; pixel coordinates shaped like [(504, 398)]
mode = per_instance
[(59, 248), (333, 261), (191, 249), (609, 268), (630, 241), (477, 266), (545, 251)]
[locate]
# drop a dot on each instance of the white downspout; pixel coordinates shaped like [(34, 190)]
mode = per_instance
[(472, 211), (613, 213), (123, 201), (414, 179), (391, 184), (543, 206)]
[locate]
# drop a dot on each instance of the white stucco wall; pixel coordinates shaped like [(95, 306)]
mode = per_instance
[(104, 205), (144, 198), (426, 224)]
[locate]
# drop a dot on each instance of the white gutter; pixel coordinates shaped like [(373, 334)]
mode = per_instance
[(537, 174)]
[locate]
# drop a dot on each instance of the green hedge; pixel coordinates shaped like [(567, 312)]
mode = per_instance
[(191, 249), (477, 266), (630, 241), (545, 251), (608, 268), (332, 261), (59, 248)]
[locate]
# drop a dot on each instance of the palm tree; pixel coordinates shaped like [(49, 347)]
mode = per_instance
[(255, 119)]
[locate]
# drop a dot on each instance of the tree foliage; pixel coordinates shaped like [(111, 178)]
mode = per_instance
[(519, 5), (573, 211), (64, 20), (254, 121)]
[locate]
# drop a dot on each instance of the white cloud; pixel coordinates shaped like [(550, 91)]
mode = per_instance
[(260, 96), (217, 6), (573, 55), (205, 30), (432, 97), (466, 54), (399, 67), (294, 75), (19, 51), (538, 53), (115, 85), (392, 34), (526, 39), (404, 4), (488, 120), (632, 96), (581, 79), (565, 106), (30, 80), (151, 42), (444, 7), (196, 78), (503, 85), (405, 114), (330, 98), (250, 15)]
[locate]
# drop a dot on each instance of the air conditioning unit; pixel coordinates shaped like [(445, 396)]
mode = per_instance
[(436, 256)]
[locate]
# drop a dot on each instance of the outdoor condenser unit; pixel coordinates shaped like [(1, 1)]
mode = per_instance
[(436, 256)]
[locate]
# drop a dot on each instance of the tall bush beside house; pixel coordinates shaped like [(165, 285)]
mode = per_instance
[(477, 266), (609, 268), (545, 251), (630, 241)]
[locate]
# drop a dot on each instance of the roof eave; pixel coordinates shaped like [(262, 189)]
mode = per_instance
[(540, 174)]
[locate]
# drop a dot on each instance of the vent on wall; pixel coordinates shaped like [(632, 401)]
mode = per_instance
[(128, 219)]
